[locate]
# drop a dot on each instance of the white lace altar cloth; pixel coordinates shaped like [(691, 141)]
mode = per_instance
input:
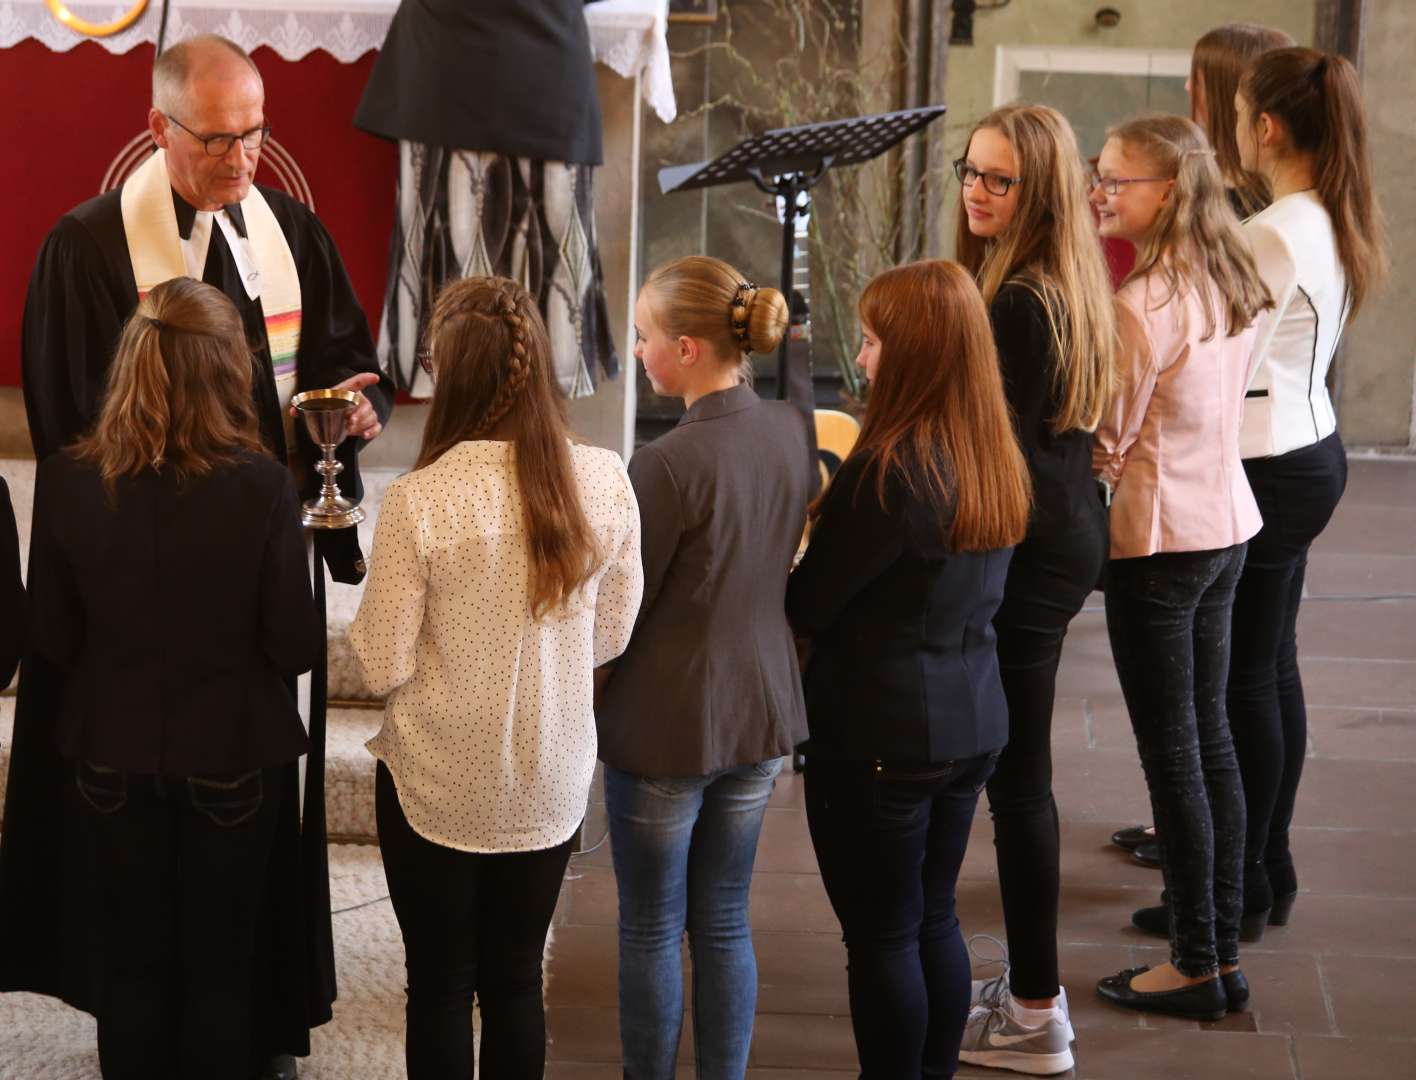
[(627, 36)]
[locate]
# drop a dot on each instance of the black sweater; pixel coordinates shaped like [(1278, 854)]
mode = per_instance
[(1064, 491)]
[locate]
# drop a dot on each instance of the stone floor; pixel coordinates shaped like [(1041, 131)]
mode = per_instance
[(1331, 990)]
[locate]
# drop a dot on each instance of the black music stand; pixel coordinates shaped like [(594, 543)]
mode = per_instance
[(789, 162)]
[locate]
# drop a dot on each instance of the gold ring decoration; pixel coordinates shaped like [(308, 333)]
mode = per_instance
[(60, 11)]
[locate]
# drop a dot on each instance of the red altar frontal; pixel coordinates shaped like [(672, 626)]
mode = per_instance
[(76, 106), (72, 113)]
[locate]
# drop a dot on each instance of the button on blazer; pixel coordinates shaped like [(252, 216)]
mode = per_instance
[(710, 678)]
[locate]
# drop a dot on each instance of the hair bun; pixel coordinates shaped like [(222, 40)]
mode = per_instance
[(764, 317)]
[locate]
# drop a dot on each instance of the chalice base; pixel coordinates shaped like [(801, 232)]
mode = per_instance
[(331, 513)]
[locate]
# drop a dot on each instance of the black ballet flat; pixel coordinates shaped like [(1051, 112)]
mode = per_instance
[(1132, 838), (1156, 922), (1203, 1001), (1236, 991), (1282, 909), (1147, 854)]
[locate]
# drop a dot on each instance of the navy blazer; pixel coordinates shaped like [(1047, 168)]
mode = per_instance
[(12, 591), (903, 665), (179, 614)]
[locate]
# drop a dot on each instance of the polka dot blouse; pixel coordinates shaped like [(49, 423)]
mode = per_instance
[(489, 730)]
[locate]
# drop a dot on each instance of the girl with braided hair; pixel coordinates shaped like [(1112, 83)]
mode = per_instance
[(706, 701), (505, 569)]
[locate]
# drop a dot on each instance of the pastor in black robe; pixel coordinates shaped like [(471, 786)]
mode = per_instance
[(80, 295)]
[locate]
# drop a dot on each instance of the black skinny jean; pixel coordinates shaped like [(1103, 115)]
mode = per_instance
[(1168, 618), (890, 840), (474, 927), (182, 870), (1297, 493), (1049, 580)]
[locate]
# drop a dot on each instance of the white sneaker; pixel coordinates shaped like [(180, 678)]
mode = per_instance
[(995, 990), (995, 1038)]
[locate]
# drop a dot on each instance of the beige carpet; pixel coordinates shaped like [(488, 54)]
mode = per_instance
[(41, 1039)]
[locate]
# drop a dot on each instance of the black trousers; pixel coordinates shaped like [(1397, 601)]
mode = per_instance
[(1297, 494), (1049, 580), (474, 926), (182, 866), (890, 840), (1168, 617)]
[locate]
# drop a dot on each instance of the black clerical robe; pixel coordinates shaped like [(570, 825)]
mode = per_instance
[(81, 293)]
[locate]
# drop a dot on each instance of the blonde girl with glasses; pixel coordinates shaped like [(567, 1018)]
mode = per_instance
[(1025, 233)]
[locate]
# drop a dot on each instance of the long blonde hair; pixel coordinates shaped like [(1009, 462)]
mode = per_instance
[(179, 388), (1195, 237), (1216, 66), (937, 417), (1051, 247), (492, 360)]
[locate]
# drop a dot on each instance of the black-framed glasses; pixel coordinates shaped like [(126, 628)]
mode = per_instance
[(425, 360), (220, 145), (993, 183), (1112, 185)]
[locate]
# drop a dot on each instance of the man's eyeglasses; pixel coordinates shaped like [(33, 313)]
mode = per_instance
[(220, 145), (1112, 184), (994, 183)]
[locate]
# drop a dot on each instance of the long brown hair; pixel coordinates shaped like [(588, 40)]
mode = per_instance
[(1051, 246), (1318, 98), (179, 388), (937, 417), (1195, 239), (492, 361), (1216, 66)]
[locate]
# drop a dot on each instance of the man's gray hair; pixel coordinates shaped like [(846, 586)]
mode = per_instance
[(174, 68)]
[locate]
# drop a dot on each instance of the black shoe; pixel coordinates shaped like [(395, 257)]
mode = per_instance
[(1147, 854), (280, 1067), (1156, 921), (1282, 909), (1134, 837), (1203, 1001), (1236, 990)]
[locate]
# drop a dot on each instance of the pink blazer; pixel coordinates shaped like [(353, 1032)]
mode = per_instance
[(1169, 444)]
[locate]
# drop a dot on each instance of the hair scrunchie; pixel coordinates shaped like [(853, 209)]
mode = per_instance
[(738, 312)]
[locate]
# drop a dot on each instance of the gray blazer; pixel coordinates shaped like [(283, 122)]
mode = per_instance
[(710, 678)]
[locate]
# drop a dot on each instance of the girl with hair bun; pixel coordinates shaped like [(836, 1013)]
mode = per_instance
[(169, 585), (1169, 445), (698, 714), (1025, 232), (897, 593), (505, 568), (1321, 252)]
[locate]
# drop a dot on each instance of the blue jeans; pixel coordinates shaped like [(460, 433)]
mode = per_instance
[(890, 839), (683, 852)]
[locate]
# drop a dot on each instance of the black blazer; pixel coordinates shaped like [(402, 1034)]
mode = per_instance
[(12, 591), (903, 666), (709, 680), (508, 76), (178, 616)]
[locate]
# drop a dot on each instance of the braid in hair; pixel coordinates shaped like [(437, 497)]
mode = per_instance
[(518, 368)]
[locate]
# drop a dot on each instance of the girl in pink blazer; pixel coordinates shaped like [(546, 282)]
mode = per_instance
[(1180, 517)]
